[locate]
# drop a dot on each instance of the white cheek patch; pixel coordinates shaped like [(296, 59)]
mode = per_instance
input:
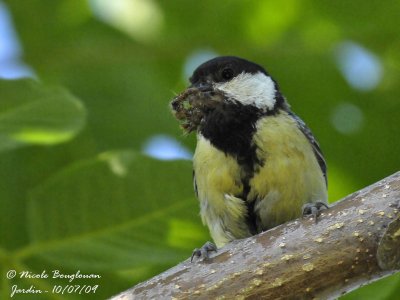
[(251, 89)]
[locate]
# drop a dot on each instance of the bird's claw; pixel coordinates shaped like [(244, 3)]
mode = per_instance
[(314, 209), (203, 251)]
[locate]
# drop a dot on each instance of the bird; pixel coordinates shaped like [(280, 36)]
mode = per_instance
[(256, 164)]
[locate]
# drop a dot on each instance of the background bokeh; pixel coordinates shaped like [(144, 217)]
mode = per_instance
[(95, 174)]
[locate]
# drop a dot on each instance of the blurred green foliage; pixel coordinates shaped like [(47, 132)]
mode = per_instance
[(75, 191)]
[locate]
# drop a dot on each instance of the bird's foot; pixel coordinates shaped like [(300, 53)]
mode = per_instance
[(203, 251), (313, 209)]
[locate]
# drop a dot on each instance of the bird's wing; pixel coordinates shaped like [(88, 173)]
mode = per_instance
[(317, 150)]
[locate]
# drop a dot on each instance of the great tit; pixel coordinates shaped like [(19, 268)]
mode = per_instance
[(256, 164)]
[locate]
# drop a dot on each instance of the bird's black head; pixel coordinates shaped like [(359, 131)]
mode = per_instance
[(223, 69), (241, 80), (229, 88)]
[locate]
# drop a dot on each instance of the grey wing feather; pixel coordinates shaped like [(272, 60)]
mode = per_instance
[(317, 150)]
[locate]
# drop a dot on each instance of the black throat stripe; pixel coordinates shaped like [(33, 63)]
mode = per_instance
[(230, 128)]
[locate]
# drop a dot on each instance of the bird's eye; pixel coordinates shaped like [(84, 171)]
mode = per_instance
[(227, 73)]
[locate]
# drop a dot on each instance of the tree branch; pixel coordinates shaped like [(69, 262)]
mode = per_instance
[(356, 241)]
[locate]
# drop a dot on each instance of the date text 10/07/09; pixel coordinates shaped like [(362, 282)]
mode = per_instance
[(57, 289)]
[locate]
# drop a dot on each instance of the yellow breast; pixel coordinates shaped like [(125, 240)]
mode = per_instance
[(291, 175), (216, 174), (218, 181)]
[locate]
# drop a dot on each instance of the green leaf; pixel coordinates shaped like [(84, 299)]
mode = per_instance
[(119, 211), (31, 113), (388, 290)]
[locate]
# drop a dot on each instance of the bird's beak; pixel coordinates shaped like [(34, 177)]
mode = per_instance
[(196, 87), (202, 86), (194, 103)]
